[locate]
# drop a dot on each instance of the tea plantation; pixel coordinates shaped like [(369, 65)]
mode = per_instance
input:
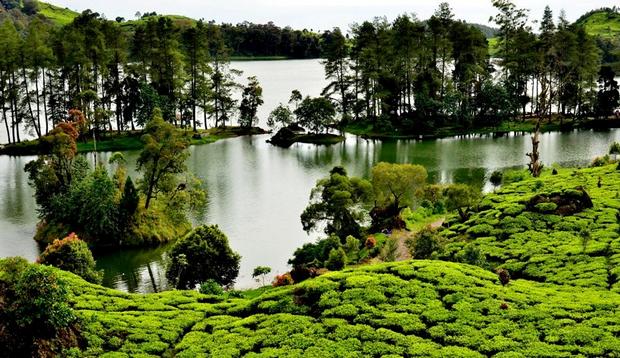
[(563, 300), (580, 249)]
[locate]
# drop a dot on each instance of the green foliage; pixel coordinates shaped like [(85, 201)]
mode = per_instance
[(252, 98), (540, 244), (211, 287), (496, 178), (315, 113), (281, 116), (339, 201), (402, 308), (203, 254), (614, 149), (34, 309), (460, 197), (389, 251), (129, 201), (314, 254), (72, 254), (163, 157), (424, 243), (34, 297), (261, 271), (336, 260), (394, 184), (41, 299), (352, 248)]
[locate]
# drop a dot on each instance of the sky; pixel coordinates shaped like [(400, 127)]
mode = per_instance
[(321, 14)]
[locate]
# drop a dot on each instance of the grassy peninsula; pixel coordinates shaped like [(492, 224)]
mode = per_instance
[(113, 141)]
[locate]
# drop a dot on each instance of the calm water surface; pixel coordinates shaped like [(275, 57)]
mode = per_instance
[(257, 191)]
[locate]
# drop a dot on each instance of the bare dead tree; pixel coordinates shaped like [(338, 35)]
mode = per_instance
[(535, 166)]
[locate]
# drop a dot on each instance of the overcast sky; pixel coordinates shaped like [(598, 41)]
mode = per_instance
[(320, 14)]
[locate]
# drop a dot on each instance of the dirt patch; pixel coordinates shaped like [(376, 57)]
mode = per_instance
[(403, 235), (567, 202)]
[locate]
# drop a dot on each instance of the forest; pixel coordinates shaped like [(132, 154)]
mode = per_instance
[(416, 76), (116, 73), (403, 77)]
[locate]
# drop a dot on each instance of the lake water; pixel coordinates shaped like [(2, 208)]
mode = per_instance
[(257, 191)]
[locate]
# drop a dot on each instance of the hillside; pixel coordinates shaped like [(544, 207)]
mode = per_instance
[(604, 23), (563, 300), (419, 308), (56, 14), (541, 242)]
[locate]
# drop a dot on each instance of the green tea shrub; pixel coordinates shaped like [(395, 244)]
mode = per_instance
[(210, 287), (72, 254), (546, 207)]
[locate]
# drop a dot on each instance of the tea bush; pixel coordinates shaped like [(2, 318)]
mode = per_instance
[(424, 308)]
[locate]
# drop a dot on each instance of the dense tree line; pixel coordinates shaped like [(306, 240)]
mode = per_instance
[(249, 39), (418, 75), (116, 78)]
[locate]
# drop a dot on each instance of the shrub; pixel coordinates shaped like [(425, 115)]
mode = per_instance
[(389, 252), (370, 243), (600, 161), (473, 256), (496, 178), (423, 243), (504, 276), (210, 287), (41, 300), (352, 248), (283, 280), (72, 254), (337, 259), (546, 207), (33, 309), (314, 254), (201, 255)]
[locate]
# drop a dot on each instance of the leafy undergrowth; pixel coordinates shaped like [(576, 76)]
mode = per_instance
[(582, 249), (413, 308)]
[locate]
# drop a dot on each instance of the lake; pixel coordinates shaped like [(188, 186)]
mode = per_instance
[(257, 191)]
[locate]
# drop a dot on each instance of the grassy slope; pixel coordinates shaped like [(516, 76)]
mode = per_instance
[(411, 308), (544, 247), (56, 14), (420, 308), (603, 24)]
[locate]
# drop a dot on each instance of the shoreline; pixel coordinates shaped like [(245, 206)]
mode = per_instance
[(365, 130), (113, 141)]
